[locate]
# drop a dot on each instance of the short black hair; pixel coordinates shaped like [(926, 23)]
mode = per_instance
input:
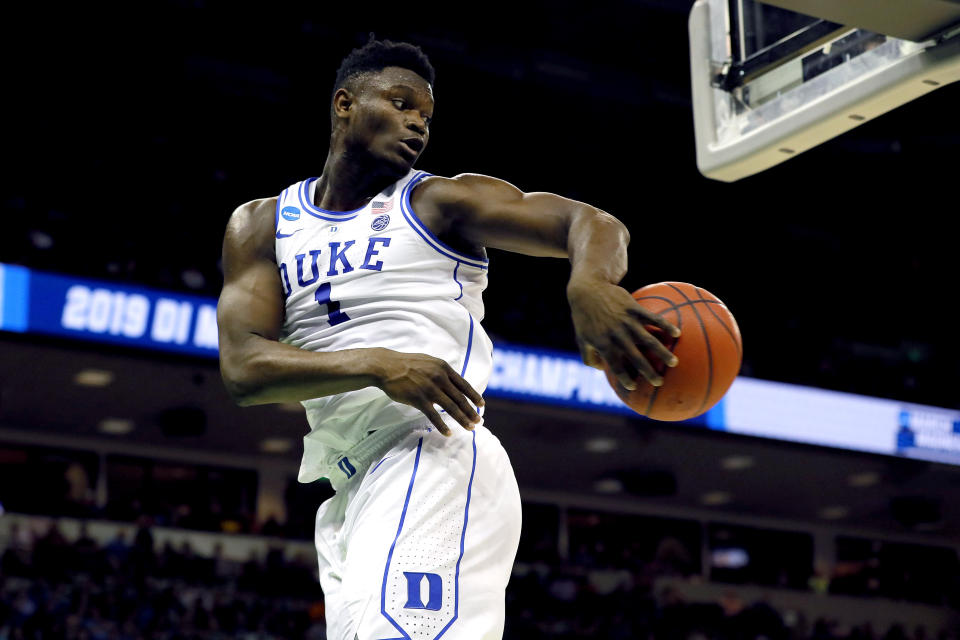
[(376, 55)]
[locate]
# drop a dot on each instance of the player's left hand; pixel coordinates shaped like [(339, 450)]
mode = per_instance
[(611, 329)]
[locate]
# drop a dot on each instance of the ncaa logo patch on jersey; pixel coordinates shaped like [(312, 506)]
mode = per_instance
[(290, 213), (380, 223)]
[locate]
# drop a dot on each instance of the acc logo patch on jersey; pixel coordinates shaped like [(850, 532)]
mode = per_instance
[(290, 213), (380, 223)]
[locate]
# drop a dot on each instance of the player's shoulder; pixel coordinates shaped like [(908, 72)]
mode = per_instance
[(253, 223), (462, 188), (254, 211), (253, 216)]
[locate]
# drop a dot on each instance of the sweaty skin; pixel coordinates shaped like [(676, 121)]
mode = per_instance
[(381, 123)]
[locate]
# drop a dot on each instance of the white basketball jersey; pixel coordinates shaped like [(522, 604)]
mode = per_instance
[(374, 277)]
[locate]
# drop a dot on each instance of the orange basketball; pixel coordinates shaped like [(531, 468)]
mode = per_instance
[(709, 351)]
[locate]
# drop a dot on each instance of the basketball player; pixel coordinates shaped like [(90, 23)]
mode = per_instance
[(358, 294)]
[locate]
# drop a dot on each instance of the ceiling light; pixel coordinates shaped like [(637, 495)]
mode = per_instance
[(41, 240), (115, 426), (715, 498), (276, 445), (736, 463), (93, 378), (835, 512), (863, 479), (193, 279), (600, 445), (608, 485)]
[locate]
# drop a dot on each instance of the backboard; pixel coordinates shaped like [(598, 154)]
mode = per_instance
[(769, 83)]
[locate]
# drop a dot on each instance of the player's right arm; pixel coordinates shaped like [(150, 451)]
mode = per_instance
[(258, 369)]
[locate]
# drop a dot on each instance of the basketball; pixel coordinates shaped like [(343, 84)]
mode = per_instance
[(709, 351)]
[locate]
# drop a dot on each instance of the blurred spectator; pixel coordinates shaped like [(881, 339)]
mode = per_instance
[(16, 557), (142, 559), (50, 552), (221, 569), (672, 558), (85, 551), (117, 551), (271, 527), (896, 632)]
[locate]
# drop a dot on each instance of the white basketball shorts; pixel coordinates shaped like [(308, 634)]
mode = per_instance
[(422, 546)]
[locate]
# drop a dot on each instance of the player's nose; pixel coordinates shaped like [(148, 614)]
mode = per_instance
[(419, 129), (418, 125)]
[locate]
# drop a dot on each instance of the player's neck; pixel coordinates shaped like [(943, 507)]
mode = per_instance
[(349, 183)]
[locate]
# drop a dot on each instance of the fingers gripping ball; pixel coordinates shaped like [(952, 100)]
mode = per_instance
[(709, 350)]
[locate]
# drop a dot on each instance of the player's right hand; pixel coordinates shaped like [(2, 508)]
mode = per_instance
[(611, 330), (423, 381)]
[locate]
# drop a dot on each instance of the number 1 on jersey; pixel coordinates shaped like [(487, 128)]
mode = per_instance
[(334, 315)]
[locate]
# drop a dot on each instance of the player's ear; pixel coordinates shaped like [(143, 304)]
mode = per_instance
[(342, 103)]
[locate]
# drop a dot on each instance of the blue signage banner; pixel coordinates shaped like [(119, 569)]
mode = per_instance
[(38, 302), (43, 303)]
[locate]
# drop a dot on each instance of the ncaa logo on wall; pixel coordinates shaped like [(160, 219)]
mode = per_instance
[(290, 213), (380, 223)]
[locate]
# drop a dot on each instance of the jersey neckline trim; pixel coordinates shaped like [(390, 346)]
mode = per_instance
[(417, 225), (303, 193)]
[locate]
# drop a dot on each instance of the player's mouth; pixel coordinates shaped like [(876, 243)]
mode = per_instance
[(414, 144)]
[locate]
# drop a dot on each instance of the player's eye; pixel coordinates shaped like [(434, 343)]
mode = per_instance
[(399, 103), (427, 120)]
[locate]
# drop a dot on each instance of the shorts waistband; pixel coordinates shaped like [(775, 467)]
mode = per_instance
[(354, 462)]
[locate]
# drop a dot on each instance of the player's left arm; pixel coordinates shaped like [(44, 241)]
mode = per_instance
[(480, 211)]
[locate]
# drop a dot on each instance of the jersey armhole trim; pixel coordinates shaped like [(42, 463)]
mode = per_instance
[(417, 225), (276, 213)]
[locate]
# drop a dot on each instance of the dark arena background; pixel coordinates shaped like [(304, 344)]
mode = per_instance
[(821, 501)]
